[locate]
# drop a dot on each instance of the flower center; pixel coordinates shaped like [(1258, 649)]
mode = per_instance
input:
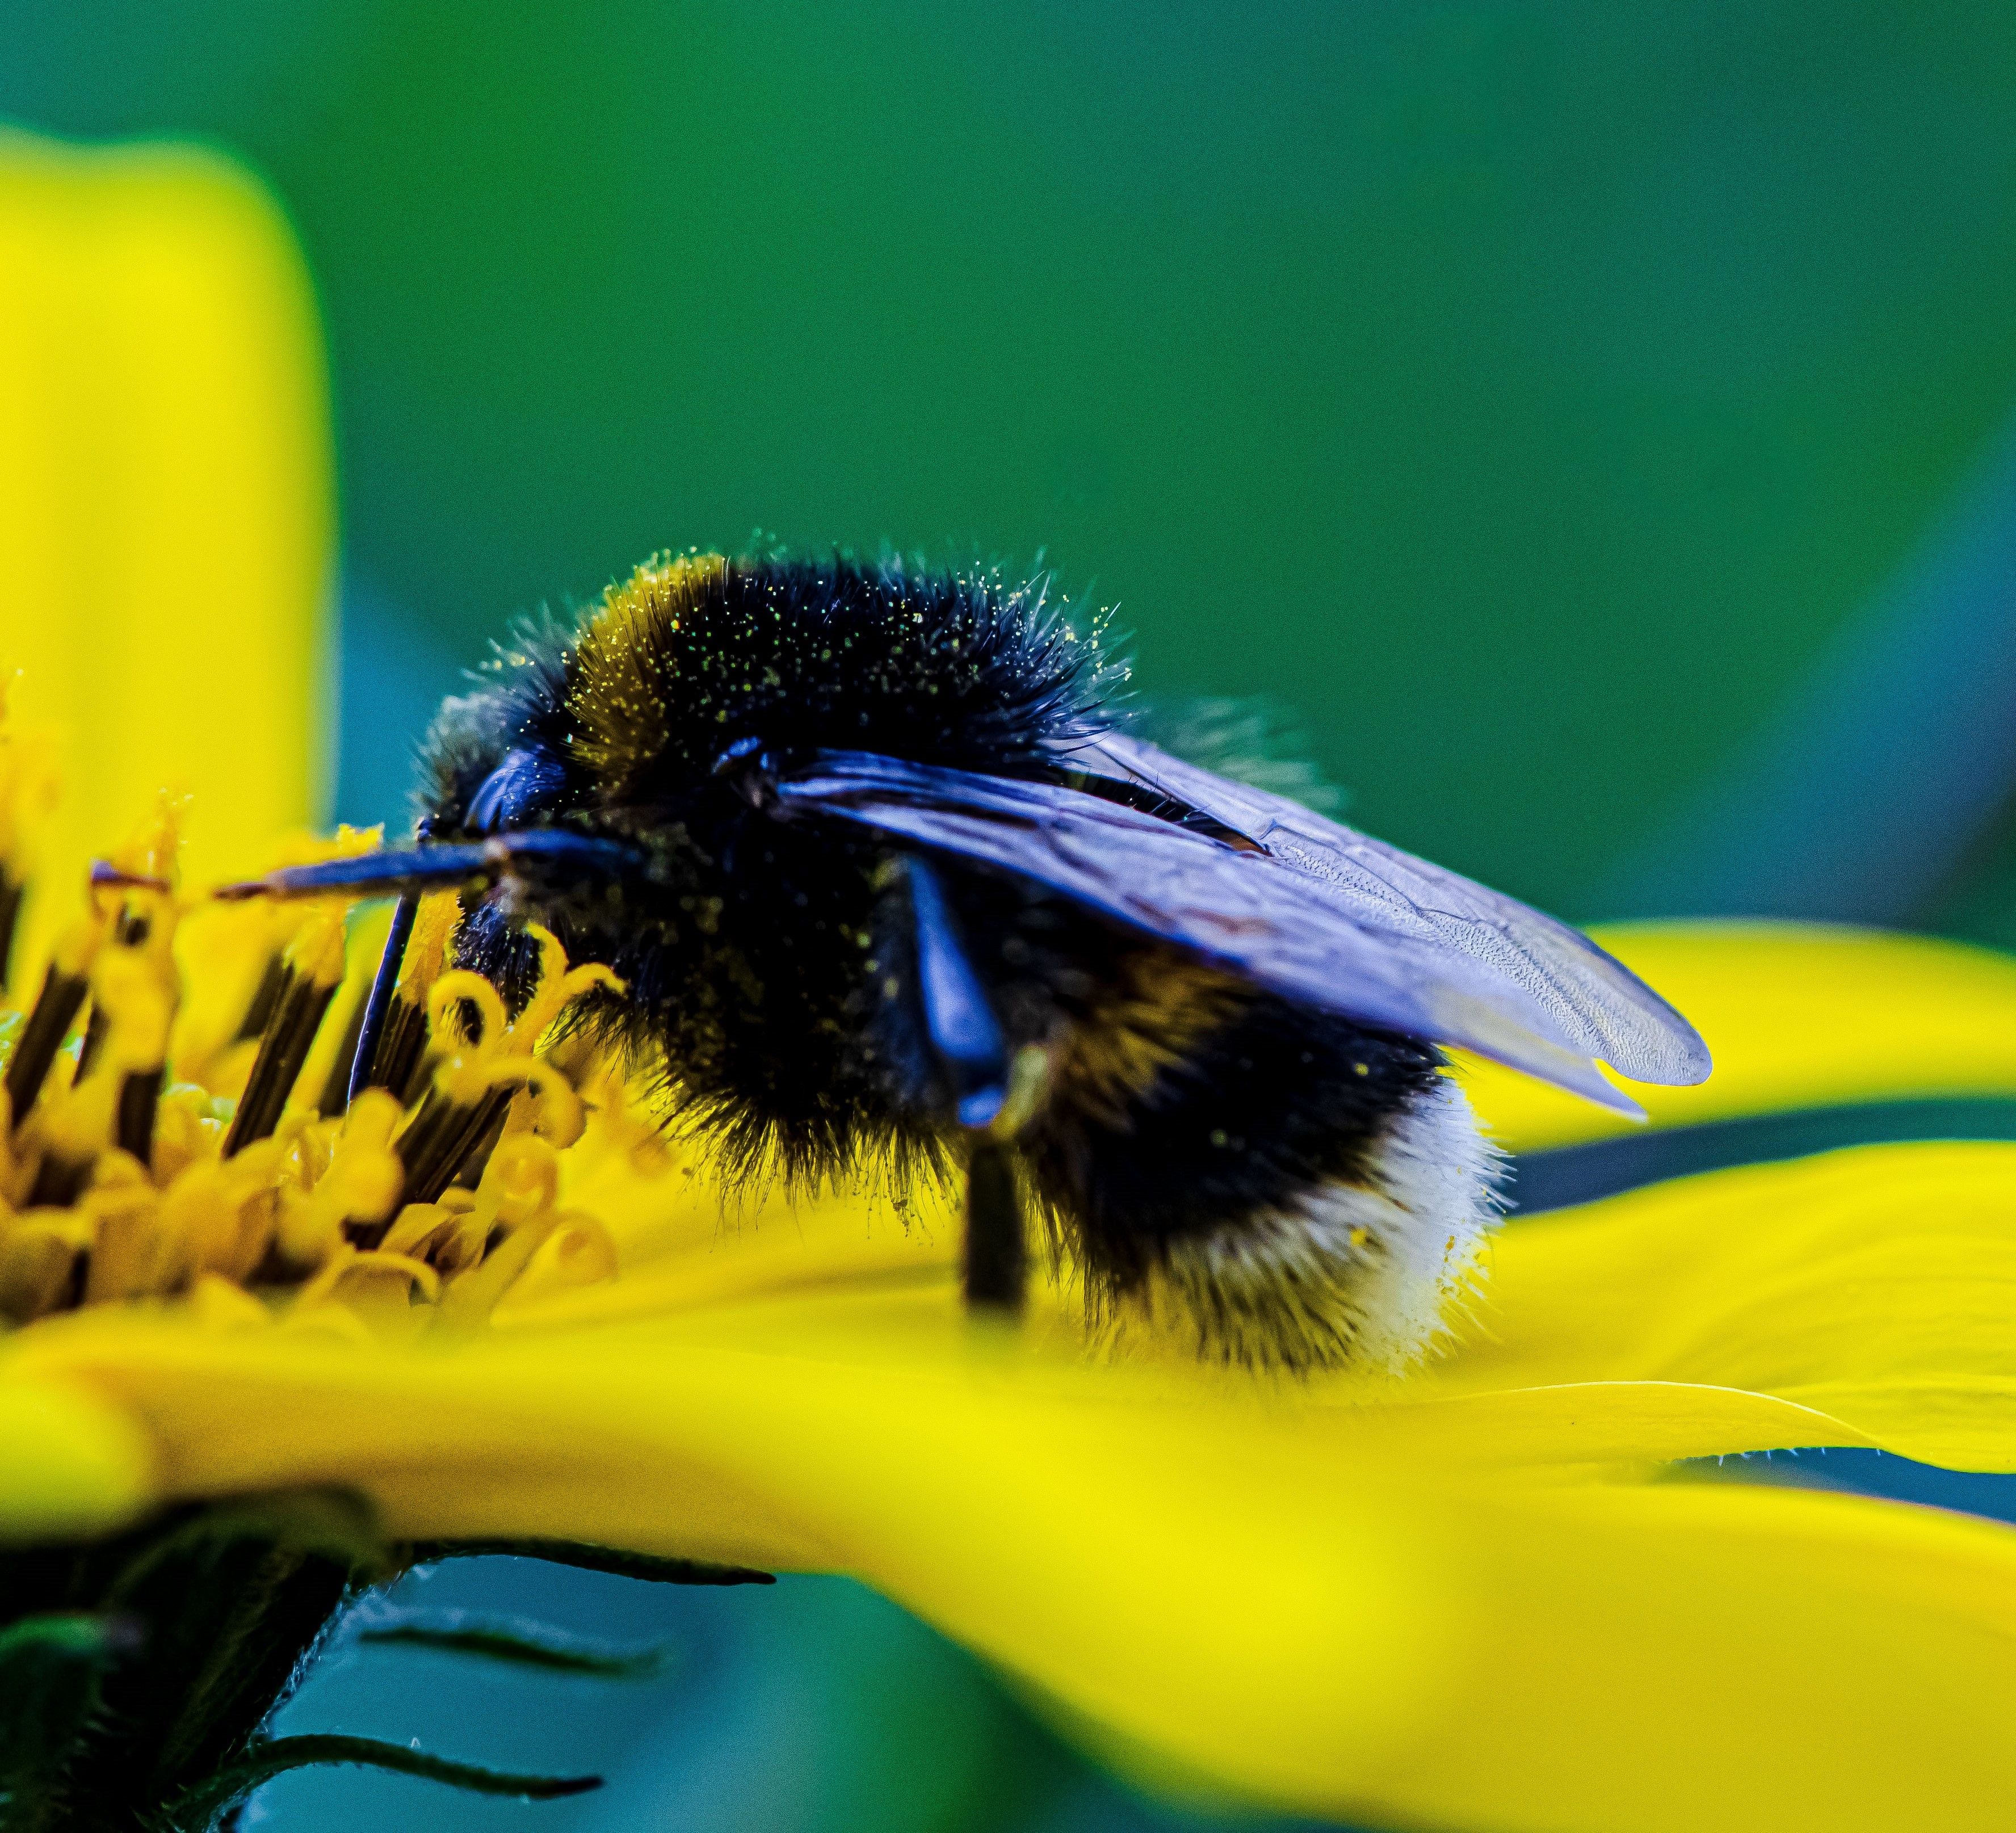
[(183, 1128)]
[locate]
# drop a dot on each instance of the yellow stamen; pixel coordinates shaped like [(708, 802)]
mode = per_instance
[(119, 1186), (360, 1184), (236, 953)]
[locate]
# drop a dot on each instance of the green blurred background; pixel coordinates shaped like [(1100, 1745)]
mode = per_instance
[(1592, 425), (1526, 395)]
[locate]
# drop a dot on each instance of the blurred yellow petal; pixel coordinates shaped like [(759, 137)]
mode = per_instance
[(1875, 1287), (166, 497), (1325, 1628), (1681, 1657), (73, 1465), (1797, 1016)]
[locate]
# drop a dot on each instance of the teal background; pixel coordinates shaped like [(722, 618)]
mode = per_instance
[(1591, 424), (1523, 394)]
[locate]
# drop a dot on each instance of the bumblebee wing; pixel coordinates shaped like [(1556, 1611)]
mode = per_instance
[(1598, 1006), (1273, 918)]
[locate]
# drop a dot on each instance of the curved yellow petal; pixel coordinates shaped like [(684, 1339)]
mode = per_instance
[(1875, 1287), (166, 498), (1683, 1657), (1313, 1624), (1864, 1298), (683, 1249), (73, 1465), (1797, 1016), (1598, 1424)]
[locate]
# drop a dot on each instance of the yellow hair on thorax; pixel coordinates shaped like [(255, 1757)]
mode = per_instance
[(616, 696)]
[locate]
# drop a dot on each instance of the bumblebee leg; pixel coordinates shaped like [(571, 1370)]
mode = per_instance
[(997, 1256), (966, 1038)]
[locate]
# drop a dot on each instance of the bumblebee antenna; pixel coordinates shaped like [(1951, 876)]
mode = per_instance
[(441, 865), (409, 871), (994, 1094)]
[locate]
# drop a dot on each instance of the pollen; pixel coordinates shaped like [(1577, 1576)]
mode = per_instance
[(175, 1123)]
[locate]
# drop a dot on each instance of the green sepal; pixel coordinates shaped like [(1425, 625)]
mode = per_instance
[(51, 1669), (594, 1559), (207, 1616), (198, 1809), (519, 1643)]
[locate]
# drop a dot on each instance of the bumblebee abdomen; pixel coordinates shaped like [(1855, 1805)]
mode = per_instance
[(1189, 1098), (1277, 1178)]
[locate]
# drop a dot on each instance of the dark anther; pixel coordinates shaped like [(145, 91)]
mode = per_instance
[(335, 1096), (402, 1056), (129, 932), (266, 998), (133, 1128), (56, 1009), (58, 1182), (283, 1048), (12, 891), (444, 1136), (392, 1049), (996, 1256), (97, 1028), (476, 1161)]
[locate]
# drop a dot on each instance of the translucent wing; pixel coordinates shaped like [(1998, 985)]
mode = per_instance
[(1313, 911), (1601, 1008)]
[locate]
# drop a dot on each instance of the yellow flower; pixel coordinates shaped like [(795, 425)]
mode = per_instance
[(1440, 1601), (1467, 1599), (166, 497)]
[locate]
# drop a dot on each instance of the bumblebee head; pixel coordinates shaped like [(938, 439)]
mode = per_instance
[(584, 731)]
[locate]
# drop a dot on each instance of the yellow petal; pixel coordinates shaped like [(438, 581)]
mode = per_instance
[(682, 1251), (1797, 1016), (1682, 1657), (73, 1464), (1309, 1624), (1866, 1297), (166, 508), (1875, 1287)]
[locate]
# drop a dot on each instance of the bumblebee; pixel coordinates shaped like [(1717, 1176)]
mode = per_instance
[(888, 882)]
